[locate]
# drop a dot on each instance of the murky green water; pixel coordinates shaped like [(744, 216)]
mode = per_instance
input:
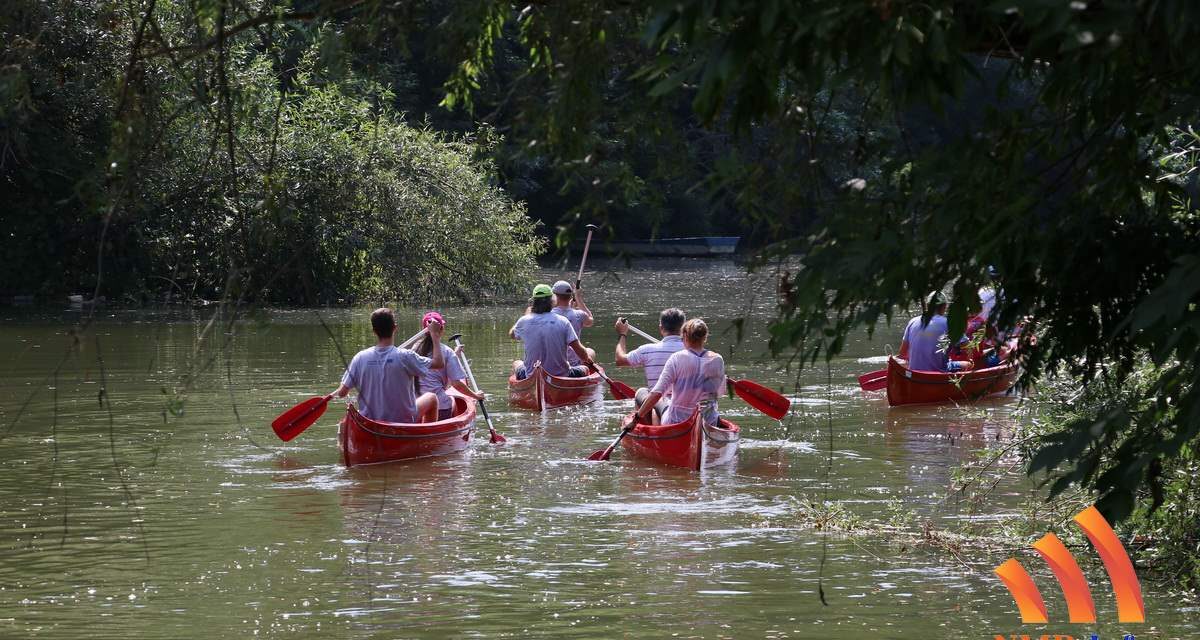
[(140, 523)]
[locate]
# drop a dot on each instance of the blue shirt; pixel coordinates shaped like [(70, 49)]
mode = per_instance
[(923, 353), (546, 336)]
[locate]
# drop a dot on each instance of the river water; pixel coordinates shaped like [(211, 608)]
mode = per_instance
[(172, 511)]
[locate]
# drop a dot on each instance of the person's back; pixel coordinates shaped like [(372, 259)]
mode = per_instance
[(653, 357), (575, 318), (545, 337), (384, 378), (436, 381), (923, 342), (691, 376), (579, 317)]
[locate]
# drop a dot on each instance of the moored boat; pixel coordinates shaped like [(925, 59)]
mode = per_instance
[(906, 386), (698, 247), (690, 444), (366, 441), (540, 390)]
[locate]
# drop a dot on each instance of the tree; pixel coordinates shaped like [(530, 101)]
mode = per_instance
[(1072, 178)]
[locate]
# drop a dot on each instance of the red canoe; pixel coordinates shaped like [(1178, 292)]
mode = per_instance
[(906, 386), (688, 444), (365, 441), (541, 391)]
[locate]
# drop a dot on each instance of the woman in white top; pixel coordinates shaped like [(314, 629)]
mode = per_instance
[(437, 381), (691, 376)]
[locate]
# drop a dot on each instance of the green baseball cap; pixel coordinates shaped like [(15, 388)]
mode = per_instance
[(542, 291)]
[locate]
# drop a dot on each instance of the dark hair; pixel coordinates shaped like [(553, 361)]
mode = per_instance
[(541, 305), (695, 330), (425, 346), (932, 311), (383, 322), (671, 319)]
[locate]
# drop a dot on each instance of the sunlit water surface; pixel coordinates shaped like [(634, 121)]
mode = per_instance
[(142, 523)]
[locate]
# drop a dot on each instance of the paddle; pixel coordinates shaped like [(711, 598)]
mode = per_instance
[(294, 421), (873, 381), (496, 437), (606, 453), (583, 261), (620, 390), (766, 400), (407, 344)]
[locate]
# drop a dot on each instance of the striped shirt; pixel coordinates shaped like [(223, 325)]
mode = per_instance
[(576, 318), (690, 377), (653, 357)]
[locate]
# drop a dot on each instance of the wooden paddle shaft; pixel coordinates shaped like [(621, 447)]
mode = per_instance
[(642, 333), (411, 341), (466, 365), (583, 261)]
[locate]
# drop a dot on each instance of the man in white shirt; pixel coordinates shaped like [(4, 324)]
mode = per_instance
[(652, 357), (385, 376), (569, 304)]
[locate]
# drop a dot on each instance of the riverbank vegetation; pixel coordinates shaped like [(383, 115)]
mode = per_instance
[(138, 162)]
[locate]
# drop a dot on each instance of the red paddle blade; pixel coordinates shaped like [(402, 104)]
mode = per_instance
[(497, 438), (765, 400), (874, 381), (600, 454), (620, 390), (294, 421)]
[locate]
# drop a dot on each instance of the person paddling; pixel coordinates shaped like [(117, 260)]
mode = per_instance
[(547, 337), (652, 357), (386, 376), (437, 381), (569, 304), (691, 376), (922, 335)]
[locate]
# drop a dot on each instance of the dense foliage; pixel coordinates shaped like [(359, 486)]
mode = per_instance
[(1049, 140), (263, 170)]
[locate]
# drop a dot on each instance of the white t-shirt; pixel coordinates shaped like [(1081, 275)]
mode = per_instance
[(691, 376), (438, 380), (546, 336), (576, 318), (653, 357), (384, 377)]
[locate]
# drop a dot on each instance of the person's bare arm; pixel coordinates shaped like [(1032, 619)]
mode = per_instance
[(648, 406), (462, 387), (342, 391), (512, 332), (582, 306), (580, 351), (622, 327), (435, 332)]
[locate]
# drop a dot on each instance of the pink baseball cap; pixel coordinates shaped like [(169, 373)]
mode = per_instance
[(431, 317)]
